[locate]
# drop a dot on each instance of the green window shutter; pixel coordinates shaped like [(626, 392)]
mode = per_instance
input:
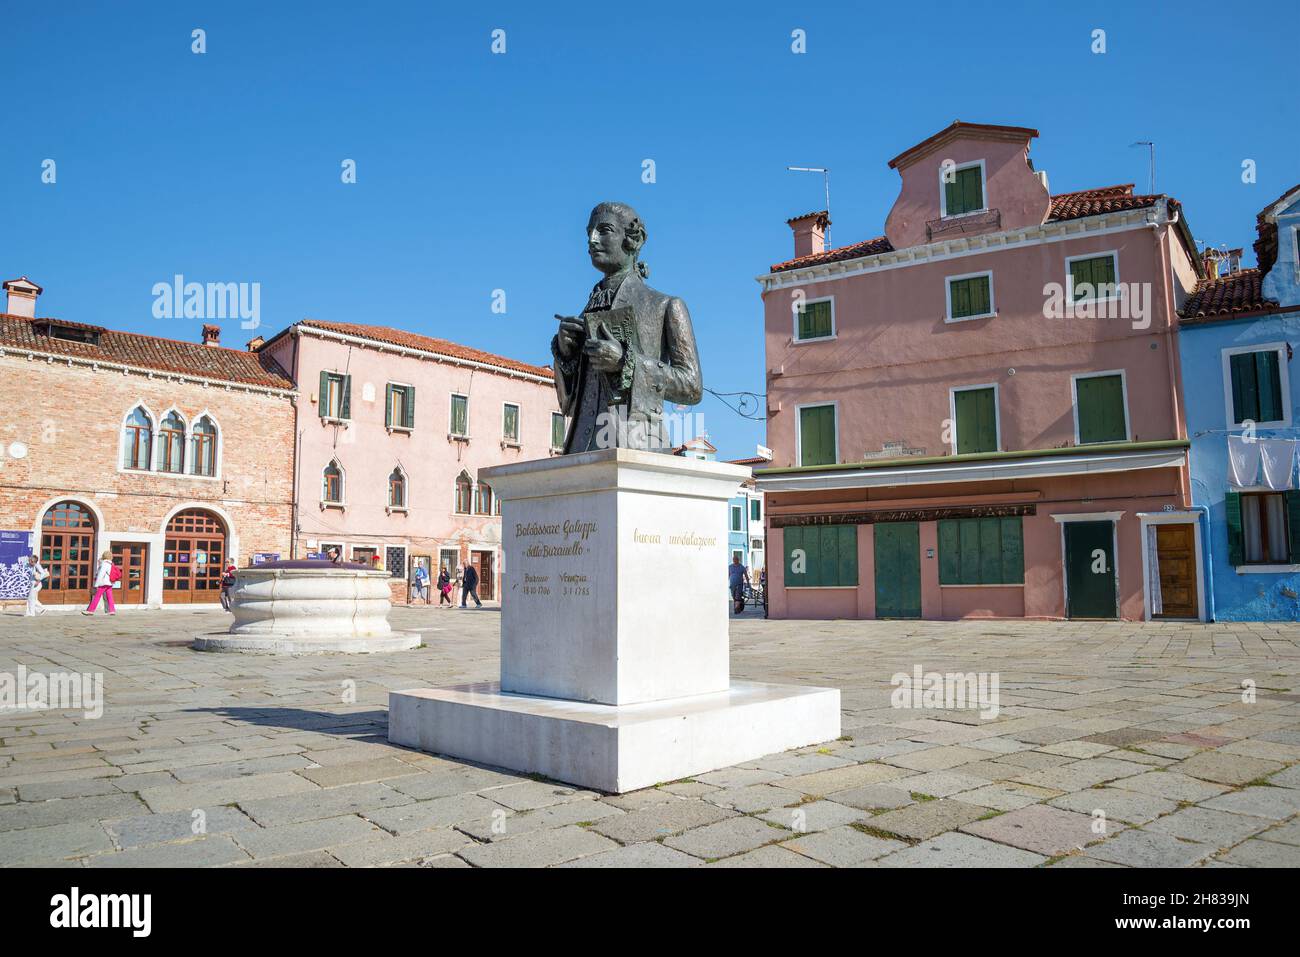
[(1292, 499), (972, 189), (1236, 542), (815, 320), (1098, 271), (976, 421), (459, 415), (755, 510), (970, 553), (952, 196), (1245, 395), (557, 430), (970, 297), (793, 539), (949, 552), (322, 405), (848, 555), (408, 410), (1100, 402), (1269, 385), (388, 405), (1013, 551), (817, 435), (345, 405), (990, 569)]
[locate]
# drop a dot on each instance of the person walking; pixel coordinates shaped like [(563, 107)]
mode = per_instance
[(736, 575), (470, 586), (36, 575), (444, 588), (105, 575), (227, 582), (422, 583)]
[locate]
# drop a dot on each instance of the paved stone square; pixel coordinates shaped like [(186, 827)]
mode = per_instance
[(1115, 744)]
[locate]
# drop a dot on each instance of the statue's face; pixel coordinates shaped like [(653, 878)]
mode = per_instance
[(605, 235)]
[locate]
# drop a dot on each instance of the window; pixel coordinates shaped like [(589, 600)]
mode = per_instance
[(137, 439), (464, 493), (396, 489), (1263, 527), (557, 430), (364, 554), (818, 439), (510, 423), (400, 409), (736, 553), (460, 415), (737, 518), (449, 559), (335, 396), (965, 193), (203, 448), (1091, 277), (1100, 411), (821, 556), (332, 484), (395, 561), (755, 510), (171, 443), (483, 499), (981, 551), (970, 297), (1257, 380), (815, 320), (975, 419)]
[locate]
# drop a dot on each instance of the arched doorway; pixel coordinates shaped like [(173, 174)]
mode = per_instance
[(194, 553), (68, 553)]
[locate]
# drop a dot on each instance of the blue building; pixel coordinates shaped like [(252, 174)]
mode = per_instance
[(1237, 343)]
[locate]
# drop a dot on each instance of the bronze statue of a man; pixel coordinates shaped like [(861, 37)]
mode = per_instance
[(631, 350)]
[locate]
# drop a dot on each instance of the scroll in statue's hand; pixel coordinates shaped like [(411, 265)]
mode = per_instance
[(571, 333), (604, 353)]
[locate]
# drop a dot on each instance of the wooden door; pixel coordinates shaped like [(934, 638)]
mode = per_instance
[(68, 554), (898, 570), (1176, 559), (194, 555), (482, 562), (133, 559), (1090, 570)]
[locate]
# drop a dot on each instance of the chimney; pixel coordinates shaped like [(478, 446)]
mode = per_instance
[(254, 343), (1042, 178), (809, 233), (211, 335), (1234, 261), (22, 297)]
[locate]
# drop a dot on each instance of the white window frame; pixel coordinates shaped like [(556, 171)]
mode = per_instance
[(563, 431), (320, 401), (997, 411), (1074, 402), (121, 439), (517, 441), (794, 316), (473, 492), (1283, 378), (406, 491), (1070, 301), (388, 411), (343, 486), (1148, 519), (451, 416), (798, 428), (1064, 518), (984, 190), (947, 292), (217, 442)]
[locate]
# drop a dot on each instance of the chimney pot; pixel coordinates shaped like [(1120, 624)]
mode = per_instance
[(22, 297), (211, 335), (809, 233), (255, 343)]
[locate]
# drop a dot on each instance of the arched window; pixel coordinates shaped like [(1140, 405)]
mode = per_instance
[(483, 501), (332, 487), (464, 493), (203, 448), (396, 489), (171, 443), (137, 439)]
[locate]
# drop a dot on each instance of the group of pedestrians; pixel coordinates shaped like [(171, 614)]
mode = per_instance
[(107, 574), (466, 580)]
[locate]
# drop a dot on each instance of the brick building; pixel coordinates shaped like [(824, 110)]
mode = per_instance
[(176, 455)]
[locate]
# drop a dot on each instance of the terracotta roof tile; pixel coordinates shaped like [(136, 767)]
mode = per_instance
[(1226, 296), (145, 352), (872, 247), (443, 347), (752, 460), (1094, 202)]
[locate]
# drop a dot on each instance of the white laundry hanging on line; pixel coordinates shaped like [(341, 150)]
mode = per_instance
[(1243, 461), (1277, 457)]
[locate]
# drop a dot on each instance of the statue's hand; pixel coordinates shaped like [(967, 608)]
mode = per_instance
[(571, 332), (604, 354)]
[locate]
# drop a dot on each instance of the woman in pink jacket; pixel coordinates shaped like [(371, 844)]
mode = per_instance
[(105, 575)]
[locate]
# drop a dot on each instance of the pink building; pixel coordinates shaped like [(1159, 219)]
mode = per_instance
[(392, 429), (977, 414)]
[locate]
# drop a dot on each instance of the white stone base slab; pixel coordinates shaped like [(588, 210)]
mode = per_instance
[(613, 748), (307, 644)]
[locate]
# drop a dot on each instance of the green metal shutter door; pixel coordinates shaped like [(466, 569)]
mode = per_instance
[(970, 553), (1013, 551), (1236, 544), (848, 571), (990, 567), (949, 552)]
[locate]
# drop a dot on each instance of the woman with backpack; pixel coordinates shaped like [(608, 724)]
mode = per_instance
[(105, 575)]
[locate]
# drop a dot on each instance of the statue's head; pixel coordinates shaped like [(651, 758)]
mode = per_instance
[(615, 235)]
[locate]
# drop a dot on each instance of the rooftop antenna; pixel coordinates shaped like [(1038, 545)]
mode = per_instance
[(826, 173), (1151, 147)]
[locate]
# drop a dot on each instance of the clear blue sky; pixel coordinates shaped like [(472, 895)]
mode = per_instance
[(476, 171)]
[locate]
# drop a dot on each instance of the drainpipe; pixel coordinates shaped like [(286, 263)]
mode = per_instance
[(1208, 559), (1184, 493)]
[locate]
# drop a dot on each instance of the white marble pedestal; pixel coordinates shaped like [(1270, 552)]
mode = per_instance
[(614, 651)]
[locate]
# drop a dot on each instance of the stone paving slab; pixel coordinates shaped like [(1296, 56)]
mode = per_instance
[(725, 838), (542, 849), (1045, 830), (1136, 848), (814, 816), (1226, 768), (1131, 807), (1208, 826), (660, 821), (843, 846), (961, 850), (503, 827), (645, 854), (1275, 804), (770, 856), (928, 818)]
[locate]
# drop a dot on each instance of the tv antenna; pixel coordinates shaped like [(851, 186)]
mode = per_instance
[(826, 174), (1151, 148)]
